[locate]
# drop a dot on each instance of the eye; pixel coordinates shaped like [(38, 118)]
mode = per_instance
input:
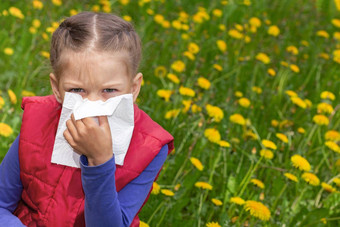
[(109, 90), (76, 90)]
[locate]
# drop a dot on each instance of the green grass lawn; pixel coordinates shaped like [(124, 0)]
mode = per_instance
[(250, 88)]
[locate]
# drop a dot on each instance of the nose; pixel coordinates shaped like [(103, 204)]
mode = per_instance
[(94, 97)]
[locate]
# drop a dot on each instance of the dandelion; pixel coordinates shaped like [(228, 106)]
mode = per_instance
[(197, 163), (291, 177), (127, 18), (178, 66), (193, 48), (212, 135), (267, 154), (189, 55), (45, 54), (271, 72), (187, 104), (257, 90), (195, 108), (37, 4), (172, 113), (203, 185), (222, 46), (325, 108), (8, 51), (5, 130), (237, 119), (143, 224), (327, 187), (217, 202), (325, 55), (203, 83), (212, 224), (235, 34), (186, 91), (12, 96), (274, 123), (301, 130), (173, 78), (273, 30), (258, 183), (223, 143), (244, 102), (294, 68), (57, 2), (337, 181), (269, 144), (321, 119), (282, 137), (217, 12), (257, 209), (292, 49), (16, 12), (327, 95), (308, 103), (167, 192), (25, 93), (160, 71), (254, 21), (263, 58), (2, 102), (237, 200), (155, 188), (336, 22), (322, 33), (311, 178), (218, 67), (300, 163), (333, 146), (166, 94), (214, 112), (330, 135)]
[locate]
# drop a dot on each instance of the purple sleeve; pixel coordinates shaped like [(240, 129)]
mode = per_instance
[(10, 186), (103, 205)]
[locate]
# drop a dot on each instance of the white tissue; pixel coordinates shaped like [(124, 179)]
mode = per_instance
[(120, 114)]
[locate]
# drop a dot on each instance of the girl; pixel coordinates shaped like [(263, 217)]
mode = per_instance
[(97, 56)]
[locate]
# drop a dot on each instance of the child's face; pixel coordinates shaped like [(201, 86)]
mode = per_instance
[(96, 76)]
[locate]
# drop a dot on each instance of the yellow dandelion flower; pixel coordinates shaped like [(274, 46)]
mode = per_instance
[(258, 183), (223, 143), (195, 108), (160, 71), (321, 119), (218, 67), (254, 21), (212, 135), (203, 83), (32, 30), (331, 135), (197, 163), (325, 55), (274, 123), (203, 185), (187, 105), (311, 178), (238, 119), (12, 96), (257, 90), (217, 12), (337, 181), (301, 130), (308, 103), (247, 2), (178, 66), (282, 137), (327, 187), (222, 27), (222, 46), (337, 4), (214, 112), (177, 186), (193, 48), (217, 202), (25, 93), (167, 192), (291, 177), (283, 63), (269, 144), (325, 108), (186, 91), (273, 30), (163, 93), (2, 102), (235, 34), (291, 93), (124, 2), (166, 24), (173, 78), (263, 58), (244, 102), (176, 24), (155, 188), (45, 54), (237, 200), (37, 4), (189, 55), (172, 113), (300, 163), (239, 27), (127, 18), (293, 50), (249, 134), (95, 8), (257, 210), (322, 33), (298, 101), (5, 130), (8, 51), (267, 154), (327, 95), (212, 224), (333, 146), (294, 68), (16, 12), (57, 2), (336, 22), (143, 224), (238, 94), (271, 72)]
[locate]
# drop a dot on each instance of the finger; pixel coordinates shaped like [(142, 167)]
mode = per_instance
[(103, 121), (89, 121), (77, 123), (71, 128), (69, 138)]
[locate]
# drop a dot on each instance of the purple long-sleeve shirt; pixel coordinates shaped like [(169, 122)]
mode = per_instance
[(99, 188)]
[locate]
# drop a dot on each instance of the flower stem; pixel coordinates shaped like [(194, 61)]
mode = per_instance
[(156, 210)]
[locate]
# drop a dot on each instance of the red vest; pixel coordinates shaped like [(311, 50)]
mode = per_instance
[(52, 194)]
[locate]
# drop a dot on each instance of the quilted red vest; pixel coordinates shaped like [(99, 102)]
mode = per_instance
[(52, 194)]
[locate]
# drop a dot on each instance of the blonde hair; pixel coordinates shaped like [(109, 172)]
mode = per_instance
[(100, 32)]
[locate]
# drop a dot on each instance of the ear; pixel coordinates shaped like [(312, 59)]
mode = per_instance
[(136, 84), (55, 86)]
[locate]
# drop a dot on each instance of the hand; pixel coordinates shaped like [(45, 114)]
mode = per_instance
[(90, 139)]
